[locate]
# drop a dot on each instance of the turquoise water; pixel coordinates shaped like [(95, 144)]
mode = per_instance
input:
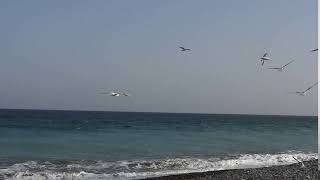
[(131, 145)]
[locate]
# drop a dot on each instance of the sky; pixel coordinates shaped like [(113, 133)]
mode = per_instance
[(63, 54)]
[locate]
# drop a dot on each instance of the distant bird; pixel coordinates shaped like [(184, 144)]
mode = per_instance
[(116, 94), (314, 50), (302, 164), (303, 93), (184, 49), (280, 69), (265, 58)]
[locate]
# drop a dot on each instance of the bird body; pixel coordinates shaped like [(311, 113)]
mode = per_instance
[(265, 58), (116, 94)]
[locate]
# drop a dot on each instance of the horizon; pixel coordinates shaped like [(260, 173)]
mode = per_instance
[(151, 112)]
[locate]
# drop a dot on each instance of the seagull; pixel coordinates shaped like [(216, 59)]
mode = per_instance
[(114, 94), (302, 164), (184, 49), (314, 50), (265, 58), (303, 93), (280, 69)]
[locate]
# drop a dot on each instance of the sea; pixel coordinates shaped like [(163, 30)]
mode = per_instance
[(50, 144)]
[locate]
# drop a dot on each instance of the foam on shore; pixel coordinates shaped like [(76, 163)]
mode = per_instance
[(79, 170)]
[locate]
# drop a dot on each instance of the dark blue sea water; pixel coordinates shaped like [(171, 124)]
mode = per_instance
[(123, 145)]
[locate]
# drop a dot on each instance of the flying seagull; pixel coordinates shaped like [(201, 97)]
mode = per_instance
[(184, 49), (280, 69), (116, 94), (314, 50), (265, 58), (302, 164), (303, 93)]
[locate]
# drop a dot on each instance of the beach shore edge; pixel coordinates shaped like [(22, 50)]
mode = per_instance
[(296, 171)]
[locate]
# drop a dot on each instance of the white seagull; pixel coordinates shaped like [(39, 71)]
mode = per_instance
[(280, 69), (116, 94), (265, 58), (184, 49), (303, 93)]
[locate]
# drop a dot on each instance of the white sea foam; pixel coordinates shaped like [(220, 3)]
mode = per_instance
[(140, 169)]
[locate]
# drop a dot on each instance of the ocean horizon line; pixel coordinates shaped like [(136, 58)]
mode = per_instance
[(154, 112)]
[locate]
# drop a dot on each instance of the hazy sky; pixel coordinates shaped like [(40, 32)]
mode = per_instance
[(62, 54)]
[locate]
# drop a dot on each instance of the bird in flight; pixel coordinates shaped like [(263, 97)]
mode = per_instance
[(280, 69), (116, 94), (314, 50), (265, 58), (303, 93), (184, 49), (302, 164)]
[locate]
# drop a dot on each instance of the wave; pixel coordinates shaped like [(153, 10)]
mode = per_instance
[(79, 170)]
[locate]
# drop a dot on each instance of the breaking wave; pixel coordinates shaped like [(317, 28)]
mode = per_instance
[(86, 169)]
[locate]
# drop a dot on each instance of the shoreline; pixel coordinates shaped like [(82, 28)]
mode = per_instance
[(282, 172), (308, 170)]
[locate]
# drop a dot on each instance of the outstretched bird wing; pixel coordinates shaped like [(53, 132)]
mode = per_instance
[(274, 68), (296, 159), (287, 64), (295, 92), (311, 87), (125, 94)]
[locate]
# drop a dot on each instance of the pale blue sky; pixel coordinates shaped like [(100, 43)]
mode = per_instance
[(61, 54)]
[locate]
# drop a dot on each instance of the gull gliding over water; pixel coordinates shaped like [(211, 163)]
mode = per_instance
[(280, 69), (116, 94), (265, 58), (303, 93)]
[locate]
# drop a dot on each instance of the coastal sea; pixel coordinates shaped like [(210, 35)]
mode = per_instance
[(41, 144)]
